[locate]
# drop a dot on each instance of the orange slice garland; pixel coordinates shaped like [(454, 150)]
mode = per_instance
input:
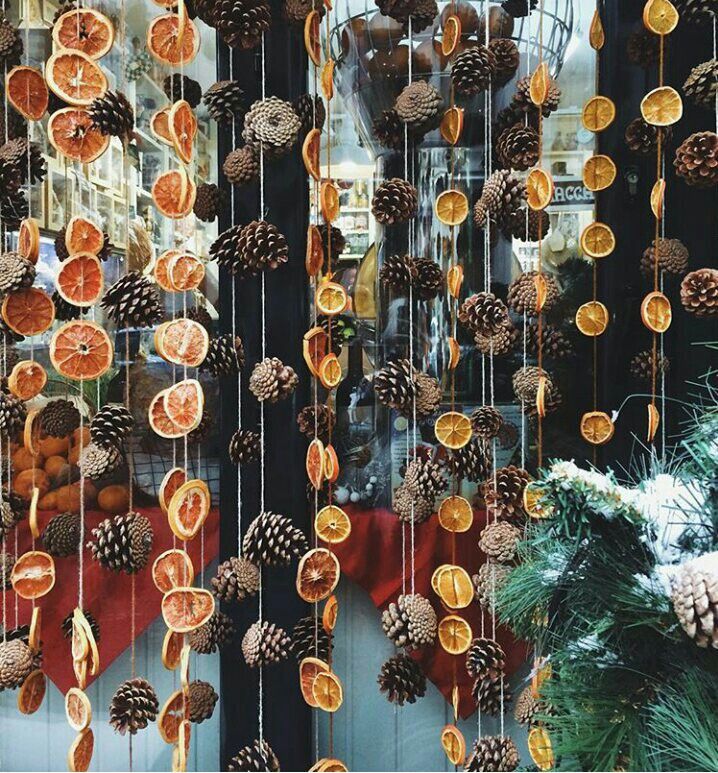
[(73, 134), (186, 609), (172, 569), (79, 280), (182, 342), (28, 239), (75, 78), (182, 128), (184, 404), (85, 30), (173, 39), (189, 508), (80, 350), (28, 312), (27, 92), (82, 235), (173, 193)]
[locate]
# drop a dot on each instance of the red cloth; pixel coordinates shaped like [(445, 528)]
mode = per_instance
[(371, 557), (106, 594)]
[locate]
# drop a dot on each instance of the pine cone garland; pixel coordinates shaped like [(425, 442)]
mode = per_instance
[(59, 418), (486, 422), (504, 493), (134, 705), (265, 643), (111, 425), (506, 60), (241, 23), (244, 447), (702, 83), (11, 47), (642, 137), (483, 313), (522, 97), (15, 272), (473, 70), (395, 201), (672, 257), (16, 662), (217, 632), (409, 506), (402, 679), (241, 167), (273, 540), (272, 380), (202, 700), (177, 87), (271, 127), (12, 415), (491, 694), (61, 536), (225, 356), (517, 147), (388, 130), (499, 541), (526, 706), (642, 366), (256, 757), (425, 478), (224, 101), (113, 114), (207, 202), (522, 295), (236, 579), (122, 543), (420, 106), (309, 639), (488, 582), (695, 602), (493, 753), (485, 657), (261, 246), (554, 344), (310, 109), (699, 292), (643, 48), (471, 463), (98, 461), (319, 420), (696, 159), (429, 280), (410, 621), (133, 301), (500, 343)]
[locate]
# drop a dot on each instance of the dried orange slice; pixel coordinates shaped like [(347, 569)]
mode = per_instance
[(597, 240), (32, 692), (308, 670), (310, 153), (453, 429), (170, 483), (330, 613), (179, 753), (329, 201), (541, 291), (596, 34), (31, 431), (314, 463), (327, 691), (454, 280), (34, 637), (451, 207), (82, 235), (32, 514), (173, 193), (79, 280), (450, 35), (315, 345), (173, 39), (540, 748), (79, 756), (539, 189), (189, 508), (656, 312), (541, 395), (598, 113), (185, 271), (454, 587), (597, 427), (184, 665), (329, 765), (171, 649), (539, 84), (455, 514), (184, 403), (660, 17), (314, 257), (182, 127), (79, 668), (186, 609), (79, 642), (81, 349), (75, 78), (78, 709), (454, 634), (171, 715), (592, 318), (317, 575), (27, 379), (84, 30), (312, 37), (657, 194), (654, 419), (160, 126), (33, 575), (541, 673), (81, 626), (331, 464), (28, 239), (330, 298), (160, 421), (662, 106), (452, 125), (73, 134), (160, 270), (599, 172), (533, 501), (330, 371), (27, 92), (453, 743), (327, 79), (454, 353), (28, 312), (332, 525), (182, 342), (172, 569)]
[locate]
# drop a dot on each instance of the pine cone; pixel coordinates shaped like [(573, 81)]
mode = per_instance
[(483, 313), (13, 509), (273, 540), (702, 83), (201, 315), (98, 461), (15, 272), (696, 159), (500, 343), (337, 243), (488, 582), (642, 366), (296, 11), (12, 415), (504, 493), (517, 147), (471, 462), (506, 60), (395, 201), (18, 155), (554, 344), (425, 478), (59, 418), (16, 659), (515, 226), (410, 621), (486, 422), (310, 109), (485, 657), (428, 395), (317, 421), (429, 280), (699, 292), (643, 48), (224, 101), (61, 536), (202, 432), (265, 643), (398, 272), (642, 137), (522, 98), (213, 635), (236, 579), (395, 386), (696, 11), (66, 625), (225, 356), (672, 257), (122, 543), (309, 639), (525, 383), (499, 541), (256, 757), (7, 562), (399, 10), (519, 8), (241, 167), (111, 425), (244, 447), (134, 705), (473, 70), (522, 296), (502, 194), (388, 130), (261, 246), (207, 202), (493, 753), (241, 22), (272, 380), (177, 87), (13, 208), (11, 47), (409, 506), (225, 250), (491, 694), (419, 106), (202, 700), (133, 301), (271, 126), (695, 602), (526, 706), (402, 679), (113, 114)]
